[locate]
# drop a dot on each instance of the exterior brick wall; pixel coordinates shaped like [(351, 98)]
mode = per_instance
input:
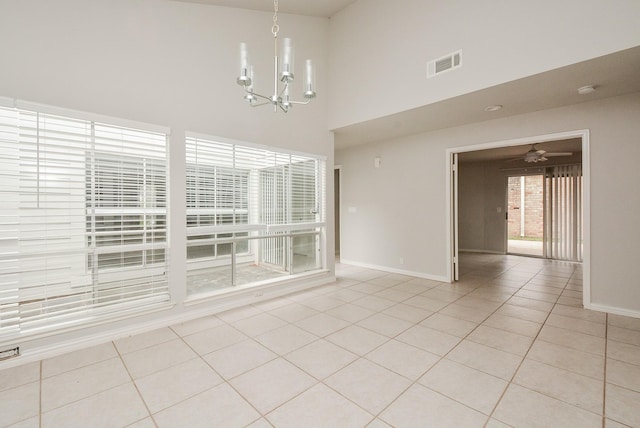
[(533, 206)]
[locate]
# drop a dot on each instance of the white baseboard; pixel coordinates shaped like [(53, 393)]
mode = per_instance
[(210, 306), (394, 270), (612, 310)]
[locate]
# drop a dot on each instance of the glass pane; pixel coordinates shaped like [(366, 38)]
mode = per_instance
[(306, 253)]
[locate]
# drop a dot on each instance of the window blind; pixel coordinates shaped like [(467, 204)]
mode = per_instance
[(83, 221), (236, 190)]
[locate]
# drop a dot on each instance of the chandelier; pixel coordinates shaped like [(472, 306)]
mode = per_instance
[(283, 74)]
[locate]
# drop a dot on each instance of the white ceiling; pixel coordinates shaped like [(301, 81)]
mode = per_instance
[(320, 8)]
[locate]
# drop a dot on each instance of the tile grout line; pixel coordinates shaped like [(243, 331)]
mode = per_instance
[(40, 397)]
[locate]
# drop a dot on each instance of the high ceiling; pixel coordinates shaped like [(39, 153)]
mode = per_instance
[(320, 8), (612, 75)]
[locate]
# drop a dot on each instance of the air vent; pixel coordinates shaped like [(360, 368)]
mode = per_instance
[(445, 63)]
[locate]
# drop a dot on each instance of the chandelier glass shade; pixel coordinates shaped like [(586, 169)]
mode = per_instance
[(283, 74)]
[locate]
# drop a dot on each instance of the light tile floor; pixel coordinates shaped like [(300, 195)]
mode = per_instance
[(508, 345)]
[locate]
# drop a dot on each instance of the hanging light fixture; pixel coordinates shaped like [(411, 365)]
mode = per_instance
[(283, 72)]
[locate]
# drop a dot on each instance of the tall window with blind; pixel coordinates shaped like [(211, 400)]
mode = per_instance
[(83, 223), (253, 214)]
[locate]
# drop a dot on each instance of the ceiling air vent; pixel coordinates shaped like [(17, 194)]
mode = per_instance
[(445, 63)]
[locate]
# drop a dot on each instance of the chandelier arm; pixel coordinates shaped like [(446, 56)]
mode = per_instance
[(259, 96), (300, 102), (260, 104)]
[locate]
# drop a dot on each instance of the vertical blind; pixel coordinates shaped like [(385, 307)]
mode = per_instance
[(564, 209), (82, 222)]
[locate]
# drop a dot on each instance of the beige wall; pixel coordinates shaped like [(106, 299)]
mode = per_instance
[(401, 207)]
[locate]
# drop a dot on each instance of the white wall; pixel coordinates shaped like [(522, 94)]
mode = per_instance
[(168, 63), (379, 49), (400, 207)]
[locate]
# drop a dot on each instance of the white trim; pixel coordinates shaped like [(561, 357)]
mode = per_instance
[(339, 169), (583, 134), (224, 303), (393, 270), (613, 310)]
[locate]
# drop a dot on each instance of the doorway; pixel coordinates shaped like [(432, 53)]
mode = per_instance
[(336, 204), (525, 215), (495, 211)]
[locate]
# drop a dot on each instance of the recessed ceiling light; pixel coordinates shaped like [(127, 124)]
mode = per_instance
[(586, 89), (494, 107)]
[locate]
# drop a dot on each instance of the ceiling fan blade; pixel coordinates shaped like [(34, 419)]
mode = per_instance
[(519, 158), (559, 154), (541, 152)]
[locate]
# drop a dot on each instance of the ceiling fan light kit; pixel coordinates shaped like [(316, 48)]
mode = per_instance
[(535, 155)]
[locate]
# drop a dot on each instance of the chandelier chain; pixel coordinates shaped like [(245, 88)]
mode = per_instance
[(276, 27)]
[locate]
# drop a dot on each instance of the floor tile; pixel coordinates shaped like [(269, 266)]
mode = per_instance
[(237, 314), (33, 422), (322, 324), (420, 406), (20, 375), (525, 302), (523, 313), (449, 325), (369, 385), (580, 391), (623, 352), (212, 339), (624, 322), (425, 303), (158, 357), (569, 359), (144, 340), (294, 312), (77, 359), (501, 339), (80, 383), (323, 303), (272, 384), (406, 360), (394, 295), (374, 303), (573, 339), (574, 324), (144, 423), (197, 325), (514, 325), (623, 374), (471, 387), (621, 405), (583, 314), (624, 335), (321, 358), (220, 406), (239, 358), (19, 403), (486, 359), (521, 407), (357, 339), (119, 406), (407, 312), (429, 340), (350, 313), (385, 324), (474, 315), (170, 386), (286, 339), (319, 407), (347, 295), (258, 324)]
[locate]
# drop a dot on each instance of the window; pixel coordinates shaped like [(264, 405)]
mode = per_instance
[(83, 224), (253, 214)]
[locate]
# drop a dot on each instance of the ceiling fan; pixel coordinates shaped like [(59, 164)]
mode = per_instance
[(538, 155)]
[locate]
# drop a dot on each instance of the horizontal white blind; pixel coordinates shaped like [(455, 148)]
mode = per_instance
[(231, 183), (83, 221)]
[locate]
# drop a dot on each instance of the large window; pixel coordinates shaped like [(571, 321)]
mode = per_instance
[(253, 214), (83, 221)]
